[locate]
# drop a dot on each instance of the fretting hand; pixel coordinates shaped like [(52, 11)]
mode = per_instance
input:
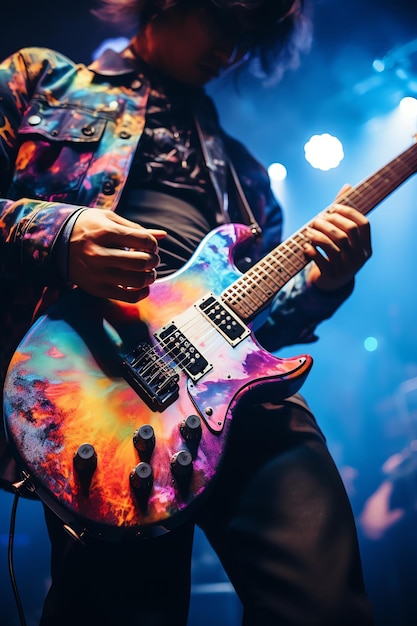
[(340, 244), (112, 257)]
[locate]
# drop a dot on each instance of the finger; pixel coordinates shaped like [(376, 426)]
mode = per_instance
[(134, 235), (354, 216), (143, 239), (123, 221), (348, 223), (127, 294), (344, 191), (131, 279), (327, 261), (130, 239), (327, 237), (158, 233), (132, 260), (116, 291), (353, 224), (356, 226), (349, 212), (343, 233)]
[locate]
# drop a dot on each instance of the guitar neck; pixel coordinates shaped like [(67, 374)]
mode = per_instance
[(253, 291)]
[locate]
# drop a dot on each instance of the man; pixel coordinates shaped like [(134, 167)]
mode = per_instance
[(111, 176)]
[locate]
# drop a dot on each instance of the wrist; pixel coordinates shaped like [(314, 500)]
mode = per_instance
[(336, 292)]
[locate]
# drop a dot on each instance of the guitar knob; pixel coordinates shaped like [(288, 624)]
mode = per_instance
[(141, 481), (144, 441), (85, 459), (141, 477), (85, 464), (182, 469), (191, 428)]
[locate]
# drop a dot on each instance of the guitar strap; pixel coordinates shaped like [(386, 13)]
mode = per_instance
[(219, 166), (244, 207)]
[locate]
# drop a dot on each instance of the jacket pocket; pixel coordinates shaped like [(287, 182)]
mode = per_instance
[(57, 145)]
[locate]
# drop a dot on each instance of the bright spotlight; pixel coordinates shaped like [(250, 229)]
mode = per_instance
[(370, 344), (324, 152), (408, 106), (277, 172), (378, 65)]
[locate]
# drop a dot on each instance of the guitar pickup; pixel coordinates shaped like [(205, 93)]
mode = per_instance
[(223, 319), (155, 381), (183, 351)]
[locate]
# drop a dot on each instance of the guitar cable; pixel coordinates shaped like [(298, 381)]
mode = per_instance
[(10, 560)]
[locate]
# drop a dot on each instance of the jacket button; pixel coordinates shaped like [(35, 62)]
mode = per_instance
[(88, 131), (34, 120), (109, 187)]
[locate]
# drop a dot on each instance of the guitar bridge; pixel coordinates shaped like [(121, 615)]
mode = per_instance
[(153, 379)]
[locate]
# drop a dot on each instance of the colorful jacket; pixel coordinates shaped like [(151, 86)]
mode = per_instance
[(68, 133)]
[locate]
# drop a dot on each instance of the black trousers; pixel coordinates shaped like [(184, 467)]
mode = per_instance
[(278, 517)]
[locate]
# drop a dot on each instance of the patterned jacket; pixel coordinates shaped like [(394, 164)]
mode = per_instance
[(68, 134)]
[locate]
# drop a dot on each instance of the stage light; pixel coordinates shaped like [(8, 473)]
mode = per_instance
[(370, 344), (277, 172), (378, 65), (408, 106), (324, 152)]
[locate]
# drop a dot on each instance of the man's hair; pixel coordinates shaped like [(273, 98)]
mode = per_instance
[(284, 34)]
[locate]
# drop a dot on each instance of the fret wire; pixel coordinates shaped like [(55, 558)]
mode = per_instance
[(251, 290), (261, 275), (270, 277), (277, 268), (374, 189), (296, 265), (262, 272)]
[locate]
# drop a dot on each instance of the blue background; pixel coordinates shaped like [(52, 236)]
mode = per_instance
[(366, 402)]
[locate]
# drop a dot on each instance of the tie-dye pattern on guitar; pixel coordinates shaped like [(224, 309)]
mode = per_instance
[(112, 456), (119, 413)]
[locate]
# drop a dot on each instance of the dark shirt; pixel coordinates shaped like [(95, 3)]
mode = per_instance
[(169, 161)]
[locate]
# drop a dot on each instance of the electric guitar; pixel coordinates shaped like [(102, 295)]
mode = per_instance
[(119, 413)]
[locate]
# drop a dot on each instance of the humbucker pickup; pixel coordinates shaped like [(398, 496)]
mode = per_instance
[(223, 318), (182, 351)]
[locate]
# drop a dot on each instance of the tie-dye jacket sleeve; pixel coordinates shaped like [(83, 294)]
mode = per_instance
[(28, 227)]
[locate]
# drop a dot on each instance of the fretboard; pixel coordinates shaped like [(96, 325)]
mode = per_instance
[(254, 290)]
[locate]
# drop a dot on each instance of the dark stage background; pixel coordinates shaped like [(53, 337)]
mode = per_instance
[(363, 386)]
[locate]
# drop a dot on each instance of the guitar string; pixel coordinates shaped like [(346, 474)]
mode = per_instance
[(180, 362)]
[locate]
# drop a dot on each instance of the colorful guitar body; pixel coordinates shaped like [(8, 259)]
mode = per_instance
[(67, 387), (119, 414)]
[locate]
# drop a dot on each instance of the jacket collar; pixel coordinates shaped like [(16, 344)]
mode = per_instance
[(112, 63)]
